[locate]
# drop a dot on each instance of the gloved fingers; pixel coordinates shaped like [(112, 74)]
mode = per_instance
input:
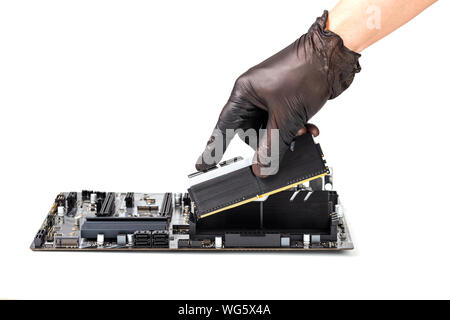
[(310, 128), (272, 147), (251, 134), (215, 147), (237, 116)]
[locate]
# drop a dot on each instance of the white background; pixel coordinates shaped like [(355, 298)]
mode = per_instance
[(122, 96)]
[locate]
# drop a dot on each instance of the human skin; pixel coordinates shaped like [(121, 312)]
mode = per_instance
[(360, 23)]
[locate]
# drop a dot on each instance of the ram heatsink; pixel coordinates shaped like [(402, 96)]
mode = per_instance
[(302, 163)]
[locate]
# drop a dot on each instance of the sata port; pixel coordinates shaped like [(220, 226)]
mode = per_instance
[(142, 239), (160, 239)]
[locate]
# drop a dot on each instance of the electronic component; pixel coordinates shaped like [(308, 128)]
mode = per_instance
[(107, 206), (100, 239), (166, 208), (296, 210), (218, 242), (71, 203), (130, 238), (285, 242), (147, 209), (121, 239), (178, 199), (263, 240), (186, 199), (39, 238), (86, 195), (328, 183), (61, 211), (129, 200), (180, 229), (66, 241), (241, 186), (60, 200), (183, 243), (142, 239), (160, 239), (111, 227), (295, 219)]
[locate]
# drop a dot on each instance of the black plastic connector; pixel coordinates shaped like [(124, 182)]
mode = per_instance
[(167, 206), (71, 203), (60, 200), (183, 244), (160, 239), (39, 239), (142, 239), (129, 200), (86, 195), (186, 199), (100, 194)]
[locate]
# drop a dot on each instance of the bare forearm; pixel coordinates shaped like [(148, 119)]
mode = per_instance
[(361, 23)]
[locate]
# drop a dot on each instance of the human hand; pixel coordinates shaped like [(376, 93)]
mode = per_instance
[(282, 93)]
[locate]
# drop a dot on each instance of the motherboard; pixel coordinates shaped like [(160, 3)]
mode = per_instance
[(306, 217), (226, 207)]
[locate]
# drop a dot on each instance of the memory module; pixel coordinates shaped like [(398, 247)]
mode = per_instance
[(227, 188)]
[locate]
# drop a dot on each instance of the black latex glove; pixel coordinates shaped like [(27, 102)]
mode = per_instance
[(286, 90)]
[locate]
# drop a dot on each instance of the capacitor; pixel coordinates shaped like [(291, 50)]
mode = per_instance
[(93, 198), (100, 239), (328, 185), (339, 210), (60, 211), (328, 180), (77, 220), (218, 242), (130, 238)]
